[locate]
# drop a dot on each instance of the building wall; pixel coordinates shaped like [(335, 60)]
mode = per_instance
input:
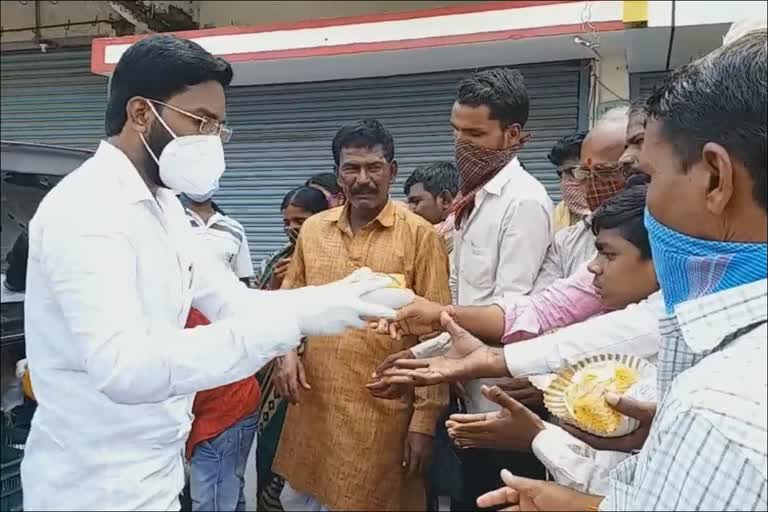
[(16, 15), (215, 13), (89, 19)]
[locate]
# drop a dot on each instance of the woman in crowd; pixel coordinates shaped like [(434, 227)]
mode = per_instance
[(298, 205)]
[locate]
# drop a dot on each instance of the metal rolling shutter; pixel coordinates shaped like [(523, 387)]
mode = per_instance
[(283, 133), (641, 85), (52, 98)]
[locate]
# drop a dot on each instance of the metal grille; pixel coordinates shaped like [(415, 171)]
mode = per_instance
[(283, 133), (52, 98), (641, 85)]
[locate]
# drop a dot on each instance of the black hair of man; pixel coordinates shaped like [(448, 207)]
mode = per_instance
[(436, 178), (326, 180), (502, 90), (159, 67), (306, 198), (720, 98), (625, 211), (567, 149), (367, 133)]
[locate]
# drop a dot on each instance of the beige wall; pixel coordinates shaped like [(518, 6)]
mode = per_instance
[(14, 14), (221, 13)]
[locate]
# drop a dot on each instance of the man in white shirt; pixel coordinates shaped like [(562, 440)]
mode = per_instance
[(503, 219), (219, 233), (111, 278)]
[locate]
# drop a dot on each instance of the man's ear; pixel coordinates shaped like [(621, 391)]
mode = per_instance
[(446, 197), (138, 114), (393, 170), (512, 134), (717, 163)]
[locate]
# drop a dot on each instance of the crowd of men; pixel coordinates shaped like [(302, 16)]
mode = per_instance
[(151, 339)]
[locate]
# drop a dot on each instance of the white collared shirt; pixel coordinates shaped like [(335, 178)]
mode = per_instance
[(111, 278), (225, 237), (571, 248), (500, 247), (633, 330)]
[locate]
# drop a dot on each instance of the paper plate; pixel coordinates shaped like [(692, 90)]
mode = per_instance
[(604, 421)]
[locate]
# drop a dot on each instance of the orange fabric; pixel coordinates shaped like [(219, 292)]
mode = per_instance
[(218, 409), (339, 444)]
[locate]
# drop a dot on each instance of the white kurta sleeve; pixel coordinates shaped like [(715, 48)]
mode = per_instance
[(573, 463), (632, 331), (91, 272)]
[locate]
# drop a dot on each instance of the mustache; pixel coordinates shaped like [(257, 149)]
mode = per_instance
[(363, 190)]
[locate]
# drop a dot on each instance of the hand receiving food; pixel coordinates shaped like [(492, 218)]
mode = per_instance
[(420, 318), (467, 358)]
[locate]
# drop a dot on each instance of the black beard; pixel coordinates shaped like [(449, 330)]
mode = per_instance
[(157, 138)]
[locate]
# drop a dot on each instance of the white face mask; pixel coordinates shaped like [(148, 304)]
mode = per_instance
[(191, 164)]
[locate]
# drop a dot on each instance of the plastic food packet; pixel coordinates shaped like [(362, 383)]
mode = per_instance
[(394, 296), (577, 395)]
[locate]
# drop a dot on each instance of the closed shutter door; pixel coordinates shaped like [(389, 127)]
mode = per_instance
[(52, 98), (642, 85), (283, 133)]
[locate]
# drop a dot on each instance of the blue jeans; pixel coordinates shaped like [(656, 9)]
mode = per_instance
[(218, 469)]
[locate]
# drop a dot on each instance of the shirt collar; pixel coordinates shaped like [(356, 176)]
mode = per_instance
[(496, 184), (132, 186), (705, 322), (385, 218), (216, 217)]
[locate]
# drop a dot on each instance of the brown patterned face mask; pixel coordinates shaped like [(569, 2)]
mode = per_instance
[(600, 182), (573, 194), (477, 166)]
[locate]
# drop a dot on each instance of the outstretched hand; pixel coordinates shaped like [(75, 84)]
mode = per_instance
[(514, 427), (419, 318), (467, 358), (526, 495)]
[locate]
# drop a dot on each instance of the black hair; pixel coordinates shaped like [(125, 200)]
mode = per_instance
[(306, 198), (502, 90), (159, 67), (436, 177), (566, 149), (720, 98), (16, 275), (367, 133), (625, 211), (327, 180)]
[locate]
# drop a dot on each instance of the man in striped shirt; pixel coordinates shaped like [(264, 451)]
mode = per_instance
[(225, 417), (220, 233)]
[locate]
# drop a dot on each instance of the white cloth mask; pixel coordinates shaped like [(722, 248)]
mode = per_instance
[(191, 164)]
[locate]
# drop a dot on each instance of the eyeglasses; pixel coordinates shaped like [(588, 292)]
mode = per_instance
[(599, 172), (207, 125)]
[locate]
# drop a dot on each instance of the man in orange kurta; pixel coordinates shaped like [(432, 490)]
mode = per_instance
[(342, 449)]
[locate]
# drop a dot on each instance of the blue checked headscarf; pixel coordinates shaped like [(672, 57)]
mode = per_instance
[(688, 267)]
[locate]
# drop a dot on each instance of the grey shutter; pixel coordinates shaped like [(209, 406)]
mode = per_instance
[(52, 98), (642, 85), (283, 133)]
